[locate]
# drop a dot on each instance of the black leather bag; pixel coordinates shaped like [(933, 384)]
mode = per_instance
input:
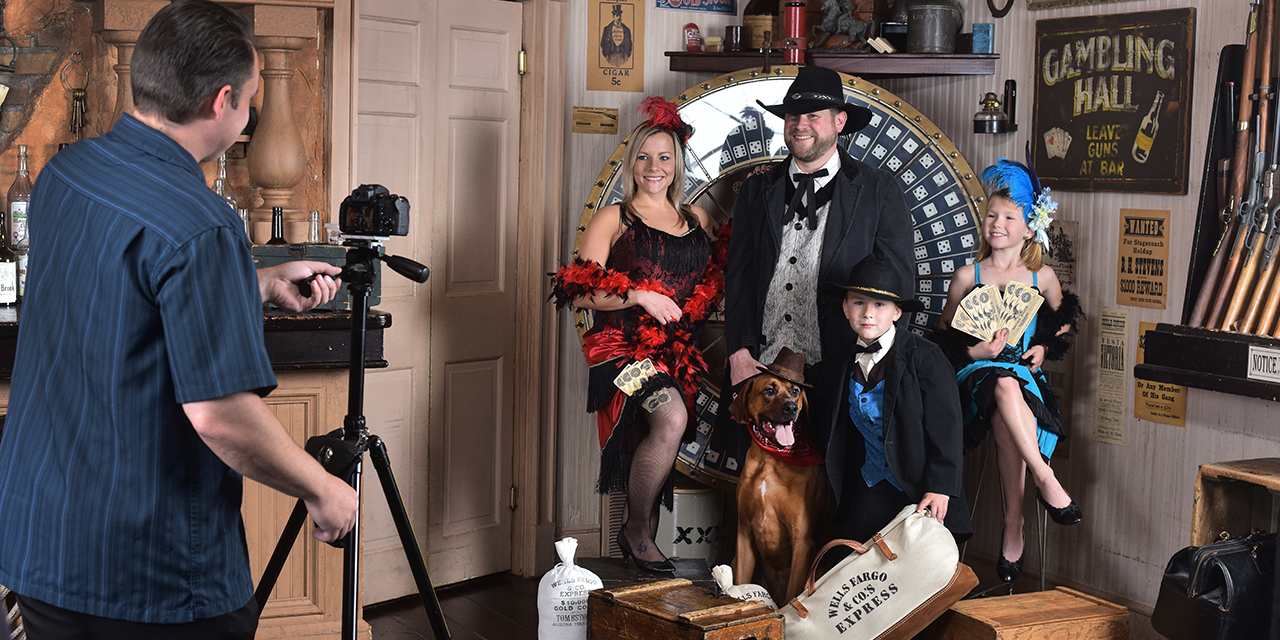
[(1220, 591)]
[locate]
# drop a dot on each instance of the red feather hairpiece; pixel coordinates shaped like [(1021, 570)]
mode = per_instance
[(665, 115)]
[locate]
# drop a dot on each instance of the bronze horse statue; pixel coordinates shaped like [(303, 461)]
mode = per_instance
[(837, 17)]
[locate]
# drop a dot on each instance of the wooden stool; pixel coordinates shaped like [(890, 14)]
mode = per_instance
[(1061, 614)]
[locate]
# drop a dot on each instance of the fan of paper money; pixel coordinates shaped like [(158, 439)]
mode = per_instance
[(984, 311)]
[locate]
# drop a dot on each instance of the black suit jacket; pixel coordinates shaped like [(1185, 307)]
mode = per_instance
[(923, 435), (867, 210)]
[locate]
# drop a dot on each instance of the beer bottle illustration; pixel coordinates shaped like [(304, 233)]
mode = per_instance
[(1147, 131)]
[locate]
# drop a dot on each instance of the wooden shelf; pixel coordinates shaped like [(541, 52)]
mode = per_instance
[(860, 64), (1205, 359)]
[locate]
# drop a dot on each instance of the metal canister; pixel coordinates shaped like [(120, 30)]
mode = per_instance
[(932, 26), (793, 30)]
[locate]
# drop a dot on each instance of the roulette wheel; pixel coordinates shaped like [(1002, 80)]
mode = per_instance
[(733, 137)]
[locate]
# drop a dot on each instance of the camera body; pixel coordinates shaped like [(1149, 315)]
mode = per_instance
[(371, 210)]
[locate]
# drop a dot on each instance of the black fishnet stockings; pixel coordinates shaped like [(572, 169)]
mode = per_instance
[(650, 466)]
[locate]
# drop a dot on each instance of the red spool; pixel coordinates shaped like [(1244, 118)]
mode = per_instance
[(793, 40)]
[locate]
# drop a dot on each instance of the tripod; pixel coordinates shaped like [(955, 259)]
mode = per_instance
[(342, 454)]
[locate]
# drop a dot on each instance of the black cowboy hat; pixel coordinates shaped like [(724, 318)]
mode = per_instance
[(875, 278), (789, 366), (815, 89)]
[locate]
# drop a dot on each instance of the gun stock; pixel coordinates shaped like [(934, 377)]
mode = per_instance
[(1239, 170)]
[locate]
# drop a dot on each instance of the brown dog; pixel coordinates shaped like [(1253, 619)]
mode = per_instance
[(782, 492)]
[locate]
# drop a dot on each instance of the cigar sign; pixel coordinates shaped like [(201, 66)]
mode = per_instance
[(1113, 101)]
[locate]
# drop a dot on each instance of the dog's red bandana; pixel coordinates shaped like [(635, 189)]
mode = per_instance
[(800, 451)]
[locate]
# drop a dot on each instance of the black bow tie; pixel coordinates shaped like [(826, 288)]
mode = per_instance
[(804, 188), (871, 348)]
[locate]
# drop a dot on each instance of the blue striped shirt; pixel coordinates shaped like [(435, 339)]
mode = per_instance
[(142, 297)]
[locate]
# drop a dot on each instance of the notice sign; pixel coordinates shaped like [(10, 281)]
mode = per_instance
[(1157, 401), (595, 120), (1109, 413), (1112, 107), (615, 46), (1264, 364), (1143, 273)]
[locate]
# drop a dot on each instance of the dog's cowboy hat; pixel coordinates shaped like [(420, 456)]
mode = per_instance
[(789, 366), (876, 278), (815, 89)]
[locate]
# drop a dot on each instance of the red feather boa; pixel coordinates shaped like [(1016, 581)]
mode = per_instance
[(673, 342)]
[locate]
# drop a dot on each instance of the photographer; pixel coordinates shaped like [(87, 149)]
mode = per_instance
[(136, 398)]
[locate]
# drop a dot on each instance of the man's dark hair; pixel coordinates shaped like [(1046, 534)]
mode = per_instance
[(187, 52)]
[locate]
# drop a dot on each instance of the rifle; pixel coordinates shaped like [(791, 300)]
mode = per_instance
[(1267, 281), (1252, 287), (1238, 169), (1248, 219)]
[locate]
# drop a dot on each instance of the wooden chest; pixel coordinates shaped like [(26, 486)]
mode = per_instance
[(1061, 614), (675, 609)]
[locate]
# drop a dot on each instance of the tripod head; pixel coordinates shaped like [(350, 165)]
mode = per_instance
[(358, 270)]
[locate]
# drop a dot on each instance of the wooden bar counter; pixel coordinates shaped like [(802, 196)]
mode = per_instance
[(310, 353)]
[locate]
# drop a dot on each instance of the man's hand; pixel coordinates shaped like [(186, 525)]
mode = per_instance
[(333, 510), (742, 366), (278, 284)]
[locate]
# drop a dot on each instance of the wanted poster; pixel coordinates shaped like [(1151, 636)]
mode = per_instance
[(1142, 275), (1157, 401)]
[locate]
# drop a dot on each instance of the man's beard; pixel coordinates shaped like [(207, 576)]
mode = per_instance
[(817, 149)]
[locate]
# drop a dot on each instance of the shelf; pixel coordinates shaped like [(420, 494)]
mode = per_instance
[(1206, 359), (859, 64)]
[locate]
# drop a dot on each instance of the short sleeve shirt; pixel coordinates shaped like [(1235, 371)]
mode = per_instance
[(141, 296)]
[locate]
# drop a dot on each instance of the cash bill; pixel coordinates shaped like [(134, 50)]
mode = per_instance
[(634, 375), (963, 322), (1021, 302)]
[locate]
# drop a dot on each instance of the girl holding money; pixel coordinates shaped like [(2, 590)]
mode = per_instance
[(648, 268), (1002, 386)]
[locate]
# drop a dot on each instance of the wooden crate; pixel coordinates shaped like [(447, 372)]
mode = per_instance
[(1061, 614), (1235, 497), (677, 610)]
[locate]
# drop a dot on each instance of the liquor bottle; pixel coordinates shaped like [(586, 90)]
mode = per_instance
[(758, 17), (220, 184), (1147, 130), (277, 226), (8, 271), (16, 218)]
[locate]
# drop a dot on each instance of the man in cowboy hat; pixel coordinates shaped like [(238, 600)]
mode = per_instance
[(813, 215), (887, 412)]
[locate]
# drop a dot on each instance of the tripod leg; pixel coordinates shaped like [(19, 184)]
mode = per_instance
[(351, 568), (278, 557), (382, 463)]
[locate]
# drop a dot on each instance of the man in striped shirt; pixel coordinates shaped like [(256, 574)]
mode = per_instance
[(136, 398)]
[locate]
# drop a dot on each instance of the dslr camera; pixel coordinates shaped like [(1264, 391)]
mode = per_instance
[(371, 210)]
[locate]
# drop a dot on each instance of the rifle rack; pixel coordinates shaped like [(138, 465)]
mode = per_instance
[(1209, 359)]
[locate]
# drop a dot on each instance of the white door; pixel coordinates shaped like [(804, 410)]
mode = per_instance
[(438, 122)]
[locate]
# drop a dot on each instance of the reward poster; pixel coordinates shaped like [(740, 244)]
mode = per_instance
[(615, 56), (1142, 275), (1157, 401)]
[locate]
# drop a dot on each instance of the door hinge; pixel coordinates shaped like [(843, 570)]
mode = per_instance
[(514, 498), (522, 64)]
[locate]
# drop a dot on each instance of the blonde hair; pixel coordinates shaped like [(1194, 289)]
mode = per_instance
[(675, 190), (1032, 255)]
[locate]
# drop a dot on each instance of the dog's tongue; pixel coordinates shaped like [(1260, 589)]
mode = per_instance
[(784, 434)]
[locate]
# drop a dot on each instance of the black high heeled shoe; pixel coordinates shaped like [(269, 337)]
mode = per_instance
[(1067, 515), (1008, 571), (663, 566)]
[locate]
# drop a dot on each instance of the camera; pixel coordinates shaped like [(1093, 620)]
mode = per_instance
[(371, 210)]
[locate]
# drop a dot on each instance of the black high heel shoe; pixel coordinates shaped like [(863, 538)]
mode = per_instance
[(1008, 571), (662, 566), (1067, 515)]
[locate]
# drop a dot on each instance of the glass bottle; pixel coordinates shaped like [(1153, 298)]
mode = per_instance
[(758, 17), (277, 226), (244, 218), (1147, 130), (19, 200), (220, 184), (313, 228)]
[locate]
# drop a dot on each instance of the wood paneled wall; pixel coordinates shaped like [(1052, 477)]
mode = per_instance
[(1136, 497)]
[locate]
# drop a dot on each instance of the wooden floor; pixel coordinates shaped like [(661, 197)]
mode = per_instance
[(496, 607)]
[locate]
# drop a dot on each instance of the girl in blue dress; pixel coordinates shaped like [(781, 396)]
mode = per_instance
[(1002, 387)]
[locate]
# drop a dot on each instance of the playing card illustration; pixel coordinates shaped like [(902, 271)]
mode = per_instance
[(1056, 142)]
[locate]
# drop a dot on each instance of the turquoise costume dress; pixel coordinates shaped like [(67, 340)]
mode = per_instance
[(977, 382)]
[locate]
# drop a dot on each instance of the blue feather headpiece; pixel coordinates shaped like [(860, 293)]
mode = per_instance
[(1025, 191)]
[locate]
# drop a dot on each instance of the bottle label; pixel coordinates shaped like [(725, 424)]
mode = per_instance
[(8, 282), (1144, 142), (22, 275), (18, 224)]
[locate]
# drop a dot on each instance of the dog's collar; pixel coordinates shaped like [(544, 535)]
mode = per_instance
[(800, 454)]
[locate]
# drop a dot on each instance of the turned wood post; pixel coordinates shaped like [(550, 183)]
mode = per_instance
[(119, 22)]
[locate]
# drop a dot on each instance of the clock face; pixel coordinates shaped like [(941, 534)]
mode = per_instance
[(734, 136)]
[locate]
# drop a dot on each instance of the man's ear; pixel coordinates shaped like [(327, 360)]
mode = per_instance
[(219, 104)]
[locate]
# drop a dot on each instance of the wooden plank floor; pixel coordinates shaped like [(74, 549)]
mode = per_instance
[(496, 607)]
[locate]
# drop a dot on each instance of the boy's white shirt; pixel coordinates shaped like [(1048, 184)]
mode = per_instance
[(868, 360)]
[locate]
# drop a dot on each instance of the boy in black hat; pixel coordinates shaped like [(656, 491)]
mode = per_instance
[(889, 426), (808, 219)]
